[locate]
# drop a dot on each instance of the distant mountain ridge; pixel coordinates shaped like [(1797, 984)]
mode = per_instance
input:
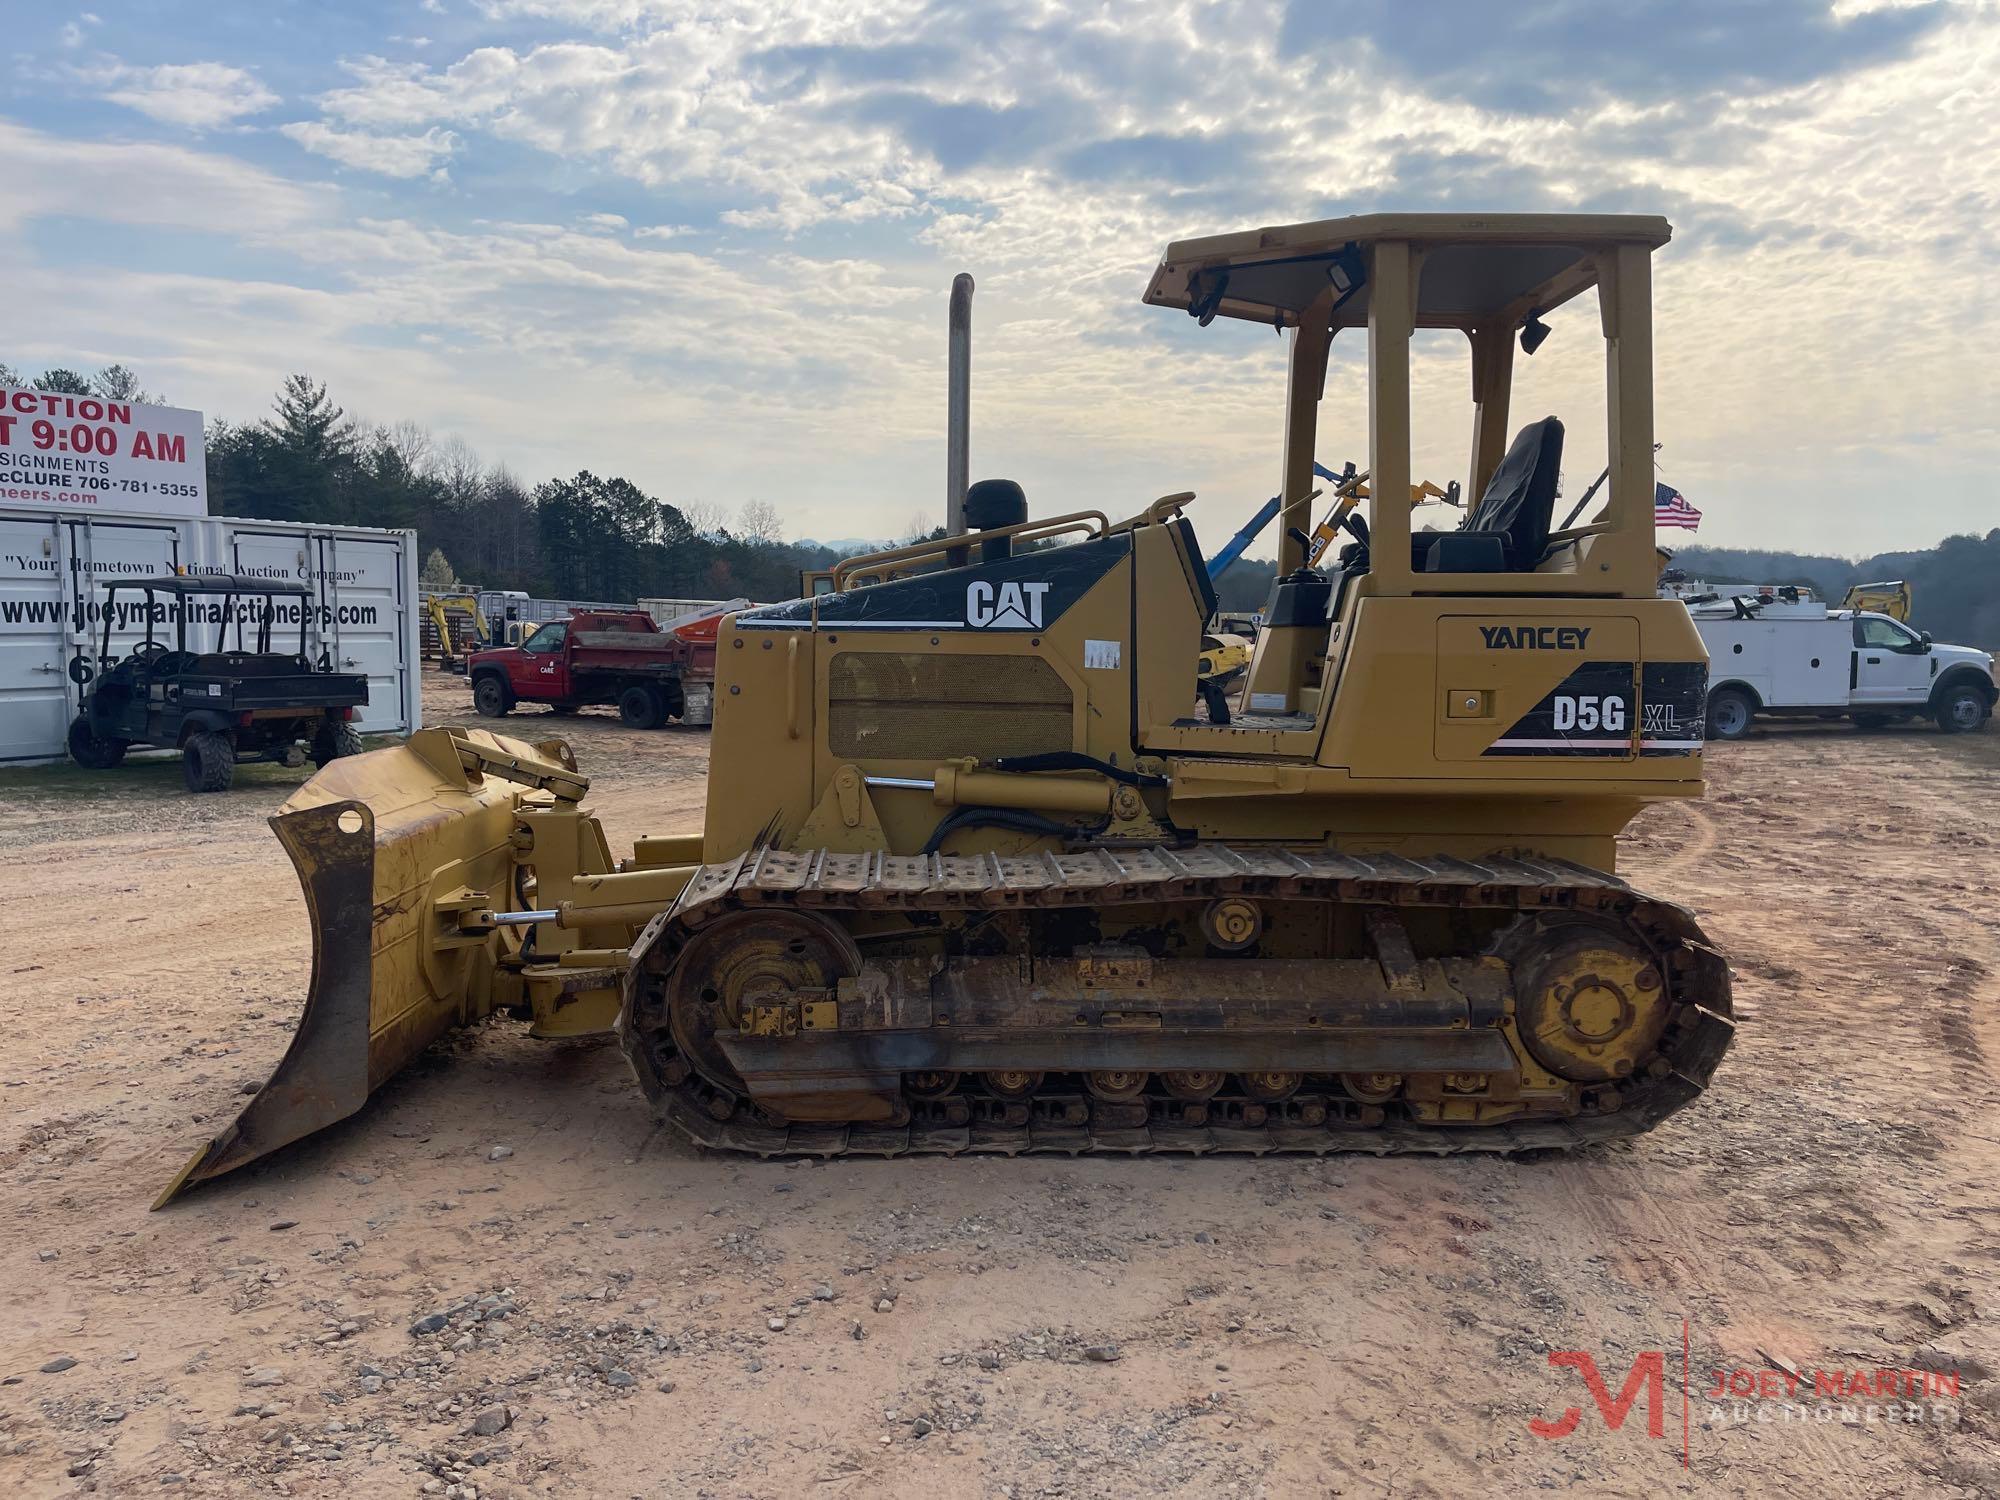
[(848, 545)]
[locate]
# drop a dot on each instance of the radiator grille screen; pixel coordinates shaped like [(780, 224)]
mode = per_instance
[(888, 705)]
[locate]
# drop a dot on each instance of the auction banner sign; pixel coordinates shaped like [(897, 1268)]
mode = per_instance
[(82, 453)]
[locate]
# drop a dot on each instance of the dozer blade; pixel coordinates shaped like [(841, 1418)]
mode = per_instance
[(391, 847)]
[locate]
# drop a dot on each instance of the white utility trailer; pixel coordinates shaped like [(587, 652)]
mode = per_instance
[(1793, 656), (55, 563)]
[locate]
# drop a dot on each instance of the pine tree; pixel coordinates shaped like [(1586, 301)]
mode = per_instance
[(437, 571), (312, 452)]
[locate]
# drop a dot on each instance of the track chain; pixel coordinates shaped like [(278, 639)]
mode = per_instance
[(1697, 1035)]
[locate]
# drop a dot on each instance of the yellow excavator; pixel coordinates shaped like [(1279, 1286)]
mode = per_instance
[(439, 607), (1892, 598), (980, 872)]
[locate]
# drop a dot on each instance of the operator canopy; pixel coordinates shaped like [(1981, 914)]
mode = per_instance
[(1476, 268)]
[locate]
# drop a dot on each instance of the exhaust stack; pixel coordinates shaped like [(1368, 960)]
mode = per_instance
[(958, 408)]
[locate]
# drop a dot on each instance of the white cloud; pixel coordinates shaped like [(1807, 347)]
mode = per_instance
[(144, 183), (200, 95), (1825, 302), (389, 155), (74, 32)]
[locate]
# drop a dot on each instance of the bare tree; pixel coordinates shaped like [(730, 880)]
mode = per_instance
[(921, 526), (705, 517), (762, 523), (412, 444), (458, 469)]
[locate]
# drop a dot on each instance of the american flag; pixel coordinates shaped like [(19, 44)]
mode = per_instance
[(1670, 508)]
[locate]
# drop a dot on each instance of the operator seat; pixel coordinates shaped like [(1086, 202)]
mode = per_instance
[(1508, 530)]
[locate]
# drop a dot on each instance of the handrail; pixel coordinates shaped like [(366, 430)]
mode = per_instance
[(869, 562), (1157, 513), (1569, 536), (1571, 533)]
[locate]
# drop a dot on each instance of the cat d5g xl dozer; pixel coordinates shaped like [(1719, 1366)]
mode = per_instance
[(978, 874)]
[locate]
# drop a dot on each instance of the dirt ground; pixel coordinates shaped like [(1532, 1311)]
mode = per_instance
[(600, 1309)]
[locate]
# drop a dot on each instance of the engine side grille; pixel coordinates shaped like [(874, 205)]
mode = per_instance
[(888, 705)]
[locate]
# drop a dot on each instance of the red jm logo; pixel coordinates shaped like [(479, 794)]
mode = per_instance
[(1648, 1374), (1647, 1377)]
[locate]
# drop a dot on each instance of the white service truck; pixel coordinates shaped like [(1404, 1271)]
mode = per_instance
[(1794, 656)]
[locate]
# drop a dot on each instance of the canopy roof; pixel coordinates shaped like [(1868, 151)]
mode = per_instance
[(212, 583), (1476, 268)]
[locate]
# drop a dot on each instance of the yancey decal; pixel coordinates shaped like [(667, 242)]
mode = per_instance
[(1534, 637)]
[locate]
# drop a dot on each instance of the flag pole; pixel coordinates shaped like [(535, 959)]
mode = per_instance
[(1595, 485)]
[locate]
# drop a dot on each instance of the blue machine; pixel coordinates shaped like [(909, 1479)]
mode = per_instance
[(1233, 549)]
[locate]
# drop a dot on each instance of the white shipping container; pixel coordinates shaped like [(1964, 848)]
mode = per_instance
[(54, 566)]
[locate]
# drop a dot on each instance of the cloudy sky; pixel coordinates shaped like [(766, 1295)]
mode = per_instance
[(706, 243)]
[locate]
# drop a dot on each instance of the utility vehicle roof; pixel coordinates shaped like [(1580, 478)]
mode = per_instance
[(213, 583), (1477, 268)]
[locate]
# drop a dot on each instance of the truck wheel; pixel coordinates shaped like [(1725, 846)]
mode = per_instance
[(673, 703), (208, 761), (1960, 709), (335, 738), (1729, 713), (90, 752), (640, 706), (490, 698)]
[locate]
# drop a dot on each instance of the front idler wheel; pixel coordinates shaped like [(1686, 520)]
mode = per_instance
[(740, 973)]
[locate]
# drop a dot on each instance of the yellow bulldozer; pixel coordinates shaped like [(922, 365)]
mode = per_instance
[(981, 872)]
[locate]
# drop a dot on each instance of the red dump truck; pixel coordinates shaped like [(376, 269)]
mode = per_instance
[(606, 656)]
